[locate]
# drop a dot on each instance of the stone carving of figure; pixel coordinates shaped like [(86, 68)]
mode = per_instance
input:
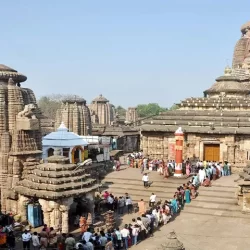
[(27, 112)]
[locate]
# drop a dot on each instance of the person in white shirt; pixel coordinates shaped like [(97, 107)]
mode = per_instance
[(145, 180), (35, 241), (152, 200), (125, 235), (110, 201), (87, 235), (129, 205), (26, 237)]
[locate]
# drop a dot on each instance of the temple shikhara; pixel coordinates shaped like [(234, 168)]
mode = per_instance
[(216, 126), (26, 182)]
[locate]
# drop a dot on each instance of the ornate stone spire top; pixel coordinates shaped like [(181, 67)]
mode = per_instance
[(227, 71)]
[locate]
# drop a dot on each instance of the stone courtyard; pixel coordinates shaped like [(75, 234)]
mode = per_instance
[(212, 221)]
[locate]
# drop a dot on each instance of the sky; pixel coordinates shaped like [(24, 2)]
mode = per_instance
[(132, 52)]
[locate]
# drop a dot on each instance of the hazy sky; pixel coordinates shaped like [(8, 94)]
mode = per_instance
[(132, 52)]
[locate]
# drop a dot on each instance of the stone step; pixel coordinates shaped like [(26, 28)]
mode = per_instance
[(138, 195), (213, 206), (161, 191), (215, 212), (162, 184), (160, 181)]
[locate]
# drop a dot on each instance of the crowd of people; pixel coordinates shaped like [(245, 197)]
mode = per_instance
[(149, 217)]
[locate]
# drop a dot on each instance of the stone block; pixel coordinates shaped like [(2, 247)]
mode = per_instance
[(27, 124)]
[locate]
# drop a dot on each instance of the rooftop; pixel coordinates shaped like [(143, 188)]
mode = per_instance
[(100, 98), (6, 73), (56, 179), (63, 138)]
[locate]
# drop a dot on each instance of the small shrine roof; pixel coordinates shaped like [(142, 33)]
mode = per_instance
[(63, 138), (56, 179)]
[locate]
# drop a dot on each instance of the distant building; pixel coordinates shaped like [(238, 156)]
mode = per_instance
[(102, 112), (75, 114), (131, 115)]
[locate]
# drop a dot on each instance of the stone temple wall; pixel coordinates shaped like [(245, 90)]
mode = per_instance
[(234, 149)]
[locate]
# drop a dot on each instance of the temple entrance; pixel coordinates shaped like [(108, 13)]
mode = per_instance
[(212, 152), (50, 152), (77, 154)]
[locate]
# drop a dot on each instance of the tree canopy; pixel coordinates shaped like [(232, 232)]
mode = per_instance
[(146, 110)]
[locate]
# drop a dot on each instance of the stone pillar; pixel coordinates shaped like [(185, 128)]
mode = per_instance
[(179, 137), (64, 208), (55, 215), (22, 207), (90, 196), (46, 211)]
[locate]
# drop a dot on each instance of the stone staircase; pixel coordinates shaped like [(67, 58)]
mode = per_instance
[(218, 200)]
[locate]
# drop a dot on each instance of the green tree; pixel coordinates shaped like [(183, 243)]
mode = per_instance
[(146, 110), (120, 111), (173, 107)]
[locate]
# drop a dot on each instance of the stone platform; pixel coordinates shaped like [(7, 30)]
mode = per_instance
[(212, 221)]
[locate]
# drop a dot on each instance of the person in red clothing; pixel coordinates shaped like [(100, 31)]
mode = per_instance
[(106, 195)]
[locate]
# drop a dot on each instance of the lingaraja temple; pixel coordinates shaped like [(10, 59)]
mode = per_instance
[(216, 126)]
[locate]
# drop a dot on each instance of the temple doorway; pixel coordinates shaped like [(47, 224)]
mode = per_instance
[(77, 154), (50, 152), (212, 152)]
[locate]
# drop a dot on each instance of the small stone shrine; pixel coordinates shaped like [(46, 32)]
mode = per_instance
[(55, 185), (71, 145), (172, 243)]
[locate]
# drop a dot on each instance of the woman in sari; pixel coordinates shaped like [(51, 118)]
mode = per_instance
[(174, 205), (187, 168), (187, 195), (206, 183), (165, 172), (193, 192), (83, 224)]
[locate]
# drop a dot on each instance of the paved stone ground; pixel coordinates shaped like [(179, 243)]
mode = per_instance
[(211, 222)]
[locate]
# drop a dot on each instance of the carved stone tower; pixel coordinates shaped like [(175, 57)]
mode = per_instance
[(131, 114), (75, 114), (20, 134), (102, 112)]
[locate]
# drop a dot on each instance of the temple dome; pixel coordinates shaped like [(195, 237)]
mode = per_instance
[(6, 68), (63, 138), (229, 83), (76, 99), (6, 73), (100, 98)]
